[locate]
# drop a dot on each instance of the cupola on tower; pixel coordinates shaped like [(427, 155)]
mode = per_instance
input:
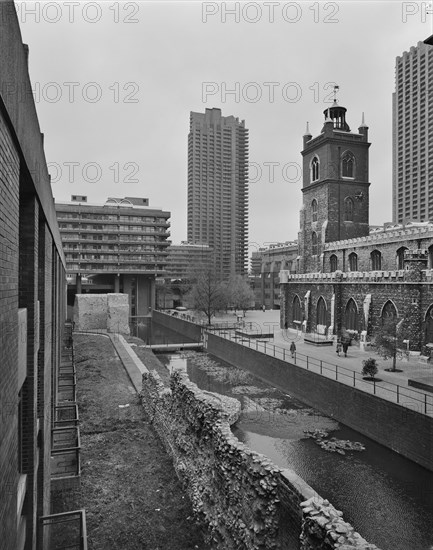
[(335, 187)]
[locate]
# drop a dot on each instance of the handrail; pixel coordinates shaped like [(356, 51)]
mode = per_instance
[(338, 372)]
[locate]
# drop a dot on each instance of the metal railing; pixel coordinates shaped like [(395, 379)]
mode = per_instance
[(409, 398), (66, 531), (66, 415), (65, 452)]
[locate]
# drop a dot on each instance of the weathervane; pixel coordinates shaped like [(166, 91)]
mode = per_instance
[(336, 88)]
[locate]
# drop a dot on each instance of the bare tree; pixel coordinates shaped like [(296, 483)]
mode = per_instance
[(208, 294)]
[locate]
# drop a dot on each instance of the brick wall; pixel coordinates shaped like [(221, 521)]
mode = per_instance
[(45, 285), (28, 293), (28, 228), (9, 215)]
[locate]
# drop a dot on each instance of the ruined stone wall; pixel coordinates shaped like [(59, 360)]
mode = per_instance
[(240, 496), (102, 311)]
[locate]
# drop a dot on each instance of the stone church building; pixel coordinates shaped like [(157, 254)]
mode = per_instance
[(350, 277)]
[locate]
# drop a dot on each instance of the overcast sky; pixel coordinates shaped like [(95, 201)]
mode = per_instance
[(136, 70)]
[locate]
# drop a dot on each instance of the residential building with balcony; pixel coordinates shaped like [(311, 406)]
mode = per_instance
[(119, 246), (412, 133), (218, 189)]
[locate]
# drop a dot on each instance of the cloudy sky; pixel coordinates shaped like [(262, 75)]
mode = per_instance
[(115, 82)]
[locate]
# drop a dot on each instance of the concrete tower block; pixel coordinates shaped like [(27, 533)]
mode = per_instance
[(90, 311), (118, 313)]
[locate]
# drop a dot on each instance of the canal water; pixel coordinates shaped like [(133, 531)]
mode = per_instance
[(387, 498)]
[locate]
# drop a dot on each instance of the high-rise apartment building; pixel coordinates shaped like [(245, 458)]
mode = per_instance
[(412, 186), (218, 189)]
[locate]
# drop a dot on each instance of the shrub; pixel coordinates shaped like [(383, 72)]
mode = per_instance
[(369, 367)]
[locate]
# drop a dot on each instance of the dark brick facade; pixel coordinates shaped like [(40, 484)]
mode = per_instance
[(347, 279), (32, 308), (329, 189)]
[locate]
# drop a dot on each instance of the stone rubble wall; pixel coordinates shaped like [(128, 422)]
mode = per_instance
[(102, 311), (240, 496), (323, 528)]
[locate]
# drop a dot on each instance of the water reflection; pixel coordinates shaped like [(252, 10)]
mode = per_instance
[(386, 497)]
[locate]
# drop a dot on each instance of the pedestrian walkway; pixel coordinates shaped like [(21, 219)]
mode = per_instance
[(393, 386)]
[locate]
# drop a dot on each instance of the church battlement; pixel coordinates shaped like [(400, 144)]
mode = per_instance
[(394, 234), (353, 276)]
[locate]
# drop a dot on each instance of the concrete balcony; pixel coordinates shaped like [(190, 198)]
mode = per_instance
[(66, 531)]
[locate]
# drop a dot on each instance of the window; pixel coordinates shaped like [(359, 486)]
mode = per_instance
[(296, 309), (348, 209), (351, 315), (353, 261), (400, 257), (314, 243), (389, 311), (314, 210), (314, 169), (333, 263), (348, 165), (376, 260), (321, 312), (429, 326)]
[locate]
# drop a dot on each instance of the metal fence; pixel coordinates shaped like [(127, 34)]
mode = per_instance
[(406, 397)]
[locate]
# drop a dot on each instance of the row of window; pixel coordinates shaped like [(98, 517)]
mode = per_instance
[(108, 217), (347, 166), (375, 260), (348, 210), (351, 312)]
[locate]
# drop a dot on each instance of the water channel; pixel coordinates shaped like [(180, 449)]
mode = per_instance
[(386, 497)]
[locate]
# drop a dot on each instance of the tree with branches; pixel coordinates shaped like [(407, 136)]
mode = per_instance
[(240, 294), (389, 340), (208, 295)]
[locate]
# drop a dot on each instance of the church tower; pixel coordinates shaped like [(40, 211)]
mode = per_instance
[(335, 187)]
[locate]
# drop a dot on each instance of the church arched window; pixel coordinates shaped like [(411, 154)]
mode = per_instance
[(348, 165), (314, 210), (296, 309), (333, 263), (400, 257), (315, 169), (353, 261), (429, 326), (314, 243), (348, 209), (389, 311), (376, 260), (351, 315), (321, 312)]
